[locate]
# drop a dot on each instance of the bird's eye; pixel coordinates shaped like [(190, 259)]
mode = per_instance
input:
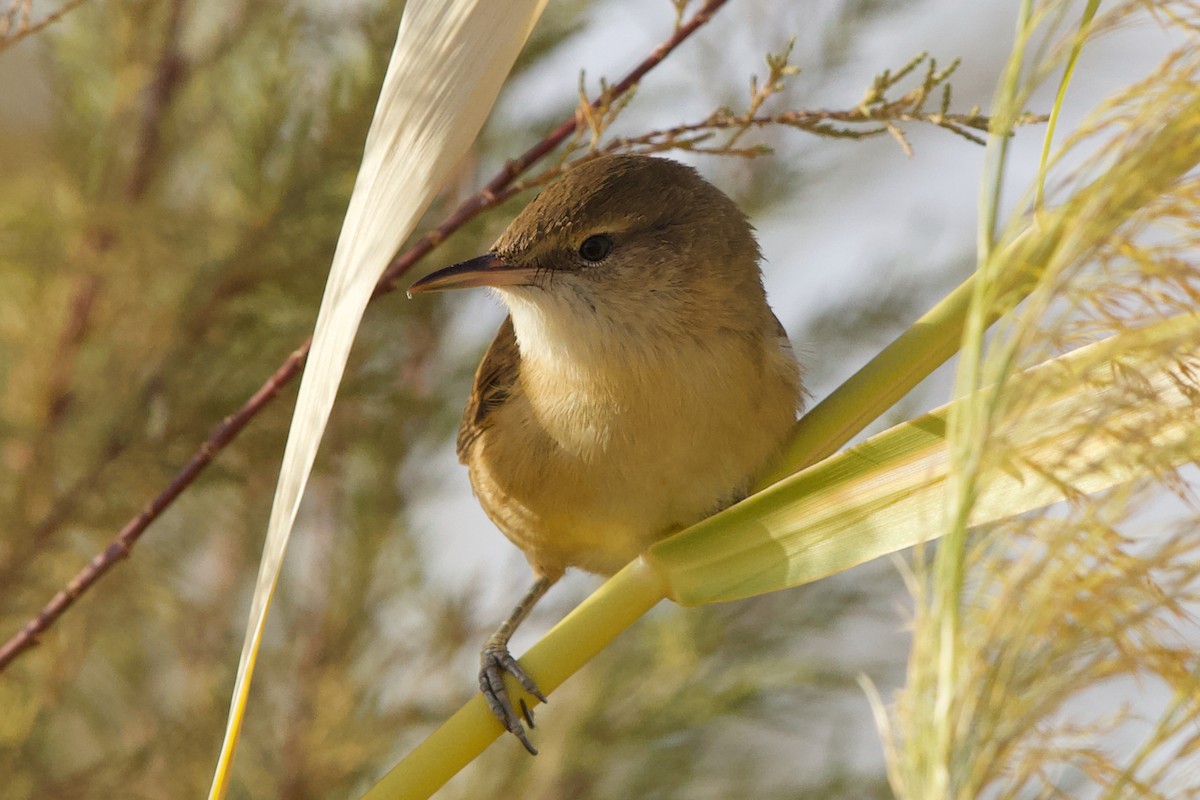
[(596, 248)]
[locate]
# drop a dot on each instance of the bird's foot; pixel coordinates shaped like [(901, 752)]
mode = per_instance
[(493, 663)]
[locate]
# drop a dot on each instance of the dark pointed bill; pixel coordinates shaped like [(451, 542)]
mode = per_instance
[(486, 270)]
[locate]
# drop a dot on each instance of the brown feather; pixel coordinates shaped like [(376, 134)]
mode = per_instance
[(493, 381)]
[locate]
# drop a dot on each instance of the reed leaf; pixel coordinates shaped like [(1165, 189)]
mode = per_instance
[(446, 69)]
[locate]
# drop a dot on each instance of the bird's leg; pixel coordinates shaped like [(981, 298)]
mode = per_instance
[(495, 660)]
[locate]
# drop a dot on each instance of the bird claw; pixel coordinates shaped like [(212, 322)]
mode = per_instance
[(493, 663)]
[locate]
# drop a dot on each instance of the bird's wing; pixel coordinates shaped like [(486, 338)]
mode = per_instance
[(780, 331), (494, 379), (785, 344)]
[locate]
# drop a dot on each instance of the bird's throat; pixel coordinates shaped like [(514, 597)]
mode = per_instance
[(603, 390), (584, 341)]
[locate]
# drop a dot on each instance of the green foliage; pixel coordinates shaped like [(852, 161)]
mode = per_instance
[(166, 233), (166, 238)]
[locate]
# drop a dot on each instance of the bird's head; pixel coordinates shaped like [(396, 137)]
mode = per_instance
[(626, 240)]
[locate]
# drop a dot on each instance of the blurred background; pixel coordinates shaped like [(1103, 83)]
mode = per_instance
[(173, 177)]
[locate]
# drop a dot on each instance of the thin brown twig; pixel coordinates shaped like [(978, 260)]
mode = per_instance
[(24, 28), (496, 191), (877, 114), (18, 10), (171, 69), (815, 121)]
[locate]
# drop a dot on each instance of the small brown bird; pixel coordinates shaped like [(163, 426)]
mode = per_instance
[(639, 384)]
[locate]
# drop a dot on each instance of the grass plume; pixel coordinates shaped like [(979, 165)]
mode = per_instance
[(1019, 624)]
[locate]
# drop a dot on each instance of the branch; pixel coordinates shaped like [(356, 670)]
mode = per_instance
[(875, 115), (500, 188), (17, 15), (819, 122), (172, 67)]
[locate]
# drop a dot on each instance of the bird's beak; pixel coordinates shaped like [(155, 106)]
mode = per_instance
[(486, 270)]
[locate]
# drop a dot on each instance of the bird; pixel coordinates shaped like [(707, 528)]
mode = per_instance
[(640, 382)]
